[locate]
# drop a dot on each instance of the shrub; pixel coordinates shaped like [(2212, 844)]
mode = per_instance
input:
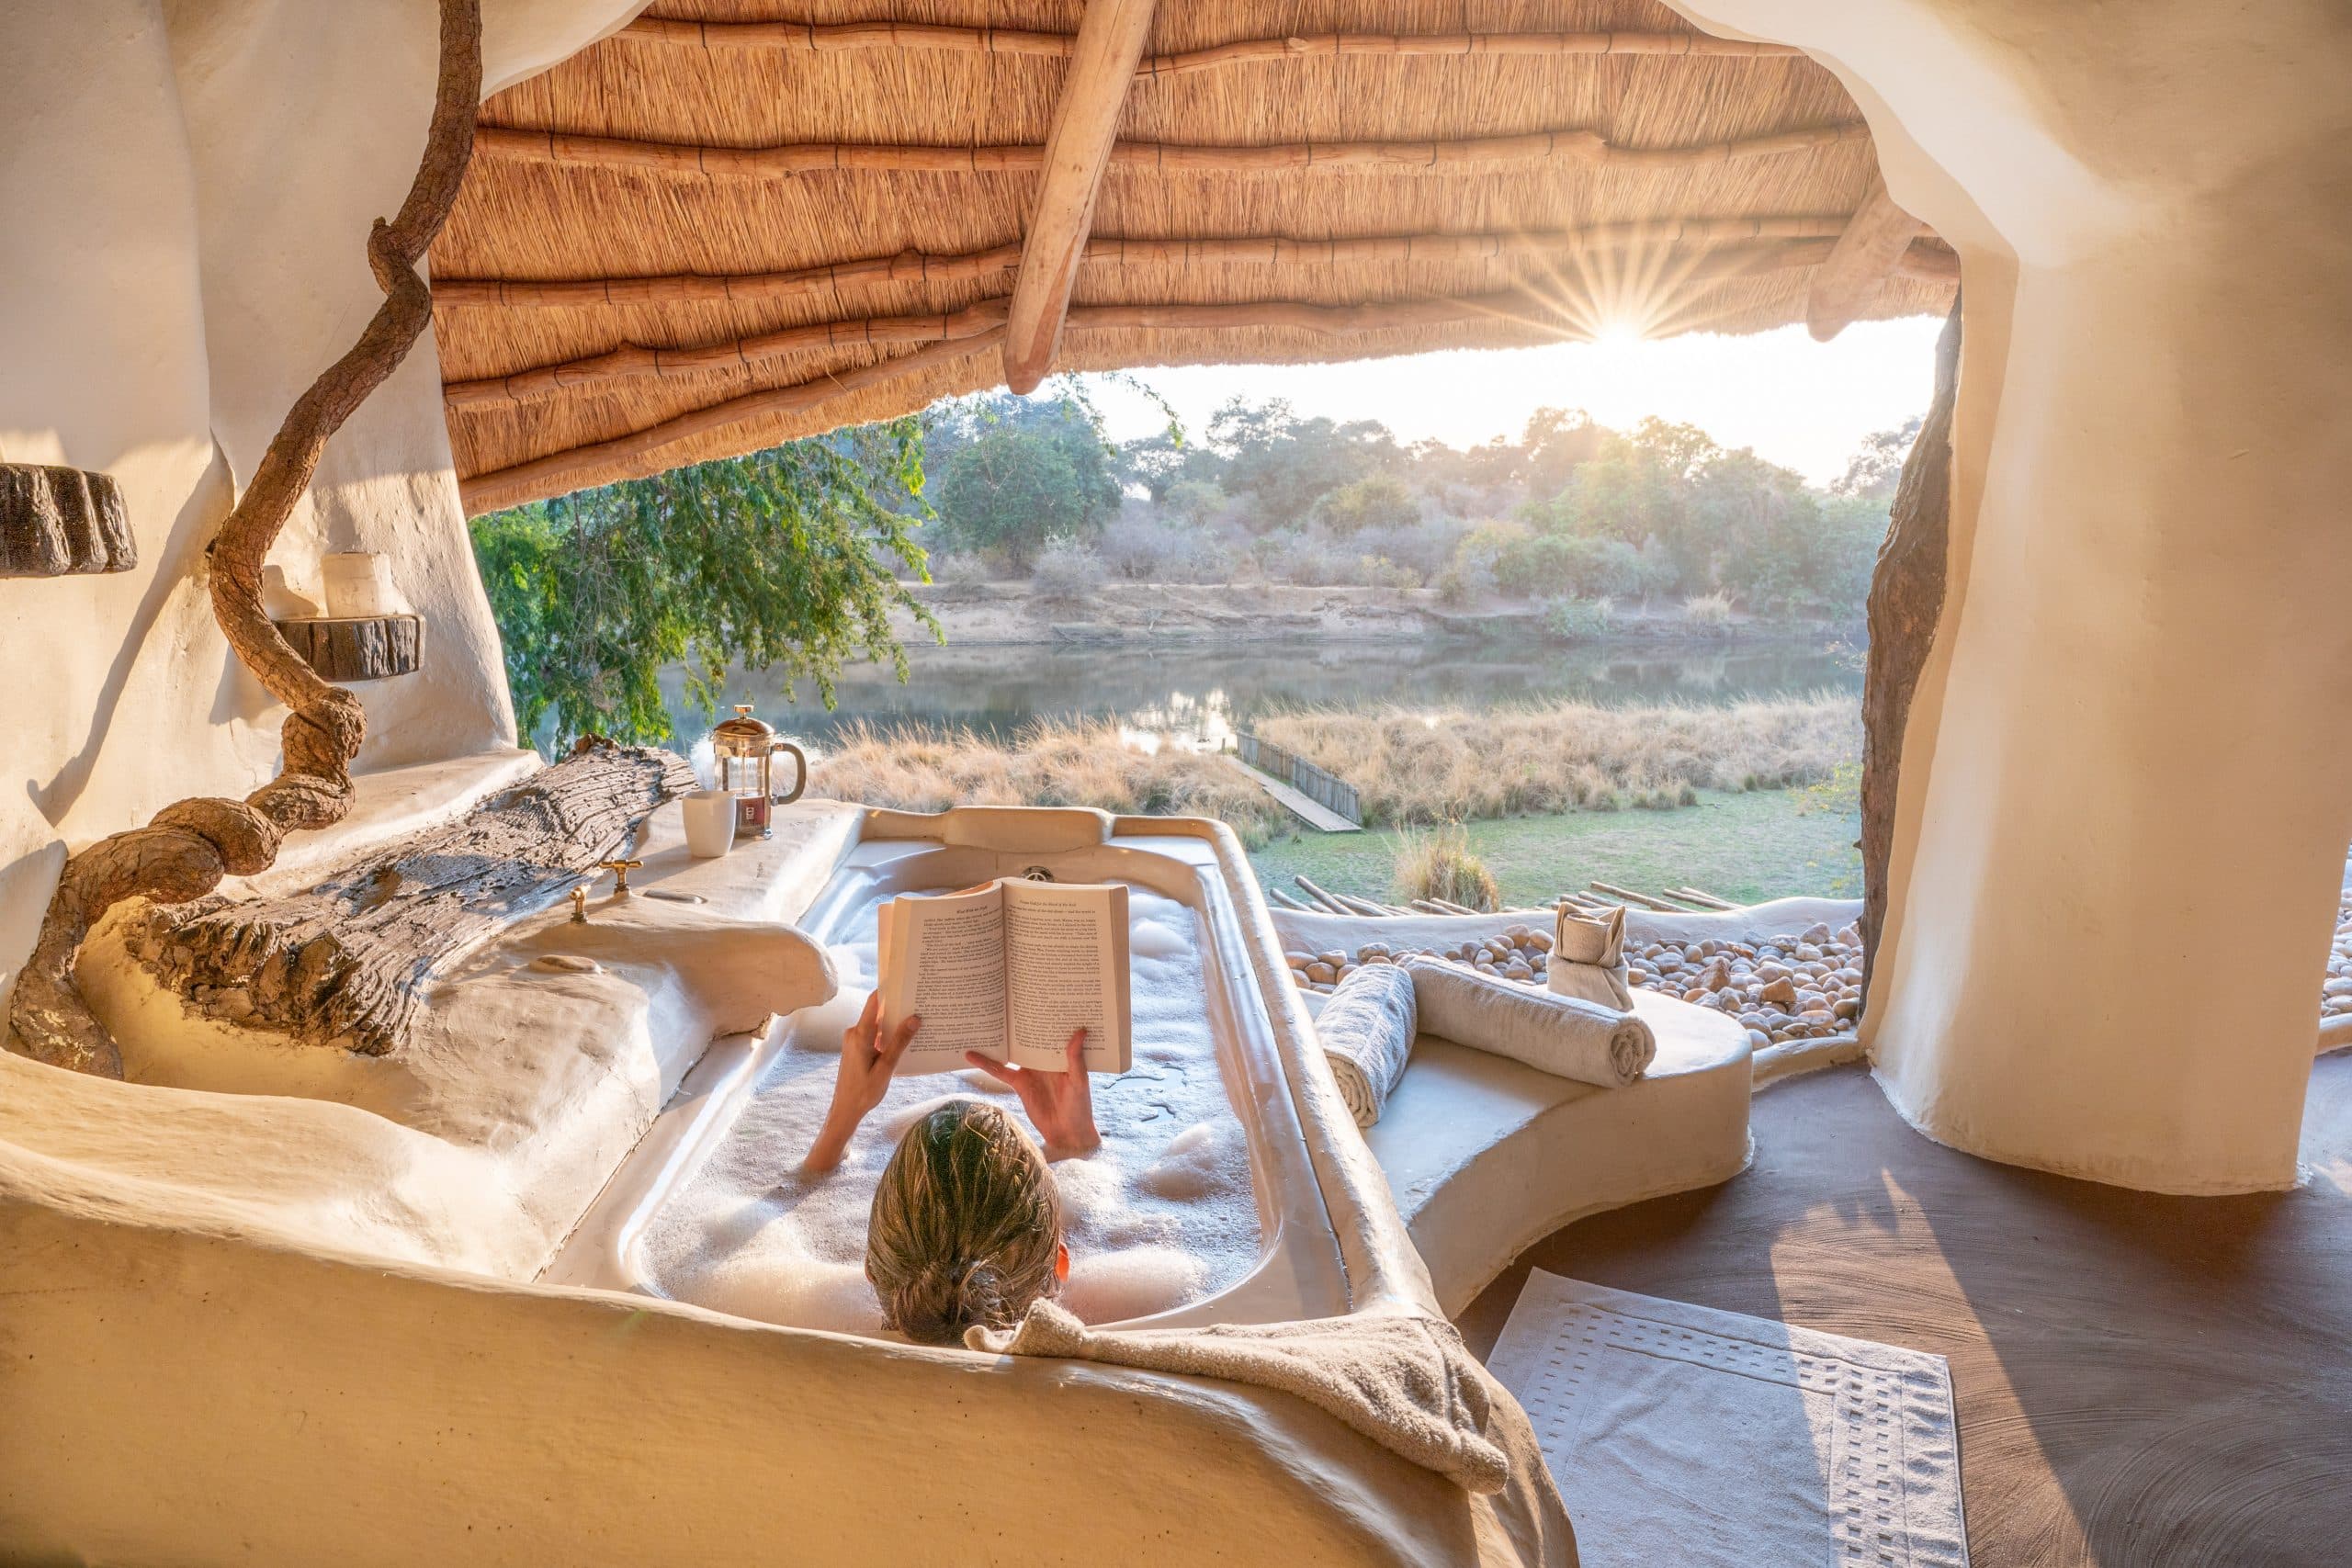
[(1067, 569), (1708, 612), (1439, 864), (961, 576), (1379, 571), (1376, 500), (1578, 620), (1459, 585)]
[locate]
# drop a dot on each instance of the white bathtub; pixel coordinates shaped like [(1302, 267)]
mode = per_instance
[(1297, 1272)]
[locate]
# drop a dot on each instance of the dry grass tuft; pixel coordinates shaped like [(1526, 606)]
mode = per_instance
[(1439, 864), (1451, 765), (1049, 763)]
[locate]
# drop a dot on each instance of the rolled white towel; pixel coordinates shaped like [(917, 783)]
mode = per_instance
[(1566, 1036), (1367, 1031)]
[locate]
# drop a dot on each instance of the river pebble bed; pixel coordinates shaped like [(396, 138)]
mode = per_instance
[(1802, 985)]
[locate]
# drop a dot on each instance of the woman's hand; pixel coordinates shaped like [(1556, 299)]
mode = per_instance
[(863, 1078), (1061, 1104)]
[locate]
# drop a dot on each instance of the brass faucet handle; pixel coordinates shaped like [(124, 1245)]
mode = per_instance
[(620, 869), (580, 906)]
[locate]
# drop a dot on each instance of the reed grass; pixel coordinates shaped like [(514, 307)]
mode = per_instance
[(1439, 864), (1419, 767), (1050, 762)]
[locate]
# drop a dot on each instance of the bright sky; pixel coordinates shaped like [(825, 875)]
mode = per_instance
[(1798, 403)]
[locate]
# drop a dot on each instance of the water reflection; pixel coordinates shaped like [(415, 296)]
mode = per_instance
[(1198, 696)]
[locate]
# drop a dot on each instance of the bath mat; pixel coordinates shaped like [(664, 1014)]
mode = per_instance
[(1681, 1435)]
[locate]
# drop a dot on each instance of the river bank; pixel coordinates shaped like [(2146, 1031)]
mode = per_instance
[(1019, 613)]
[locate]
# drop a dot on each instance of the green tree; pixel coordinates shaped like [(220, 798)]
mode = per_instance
[(780, 561), (1284, 464), (1011, 491), (1375, 501)]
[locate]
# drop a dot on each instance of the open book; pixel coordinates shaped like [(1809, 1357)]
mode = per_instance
[(1009, 970)]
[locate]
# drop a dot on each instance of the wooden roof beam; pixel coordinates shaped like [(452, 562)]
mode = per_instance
[(1270, 249), (629, 456), (1111, 36), (1875, 242), (1587, 149), (1555, 303), (821, 37)]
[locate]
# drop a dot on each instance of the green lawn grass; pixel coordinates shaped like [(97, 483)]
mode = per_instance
[(1743, 847)]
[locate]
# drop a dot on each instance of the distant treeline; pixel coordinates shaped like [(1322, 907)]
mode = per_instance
[(1592, 520)]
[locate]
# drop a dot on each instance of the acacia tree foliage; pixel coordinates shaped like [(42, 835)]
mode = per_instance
[(1016, 474), (786, 560)]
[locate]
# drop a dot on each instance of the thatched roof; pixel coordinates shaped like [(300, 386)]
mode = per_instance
[(1493, 244)]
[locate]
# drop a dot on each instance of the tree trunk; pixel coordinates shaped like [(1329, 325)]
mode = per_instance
[(1906, 599), (348, 962)]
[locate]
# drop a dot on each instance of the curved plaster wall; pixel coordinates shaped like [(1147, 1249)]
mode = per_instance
[(2125, 792), (186, 190)]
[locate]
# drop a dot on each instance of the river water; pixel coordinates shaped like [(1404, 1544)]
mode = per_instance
[(1195, 694)]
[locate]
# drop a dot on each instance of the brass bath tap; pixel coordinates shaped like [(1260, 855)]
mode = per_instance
[(580, 906), (620, 869)]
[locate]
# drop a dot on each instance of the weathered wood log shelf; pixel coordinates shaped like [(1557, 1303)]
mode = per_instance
[(366, 647), (348, 962), (60, 522)]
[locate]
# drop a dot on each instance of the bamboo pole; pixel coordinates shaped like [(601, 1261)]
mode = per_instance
[(1110, 35), (1630, 896), (1584, 148), (634, 361), (916, 266), (807, 37), (1865, 256), (1284, 899), (578, 465), (1703, 897), (1451, 907), (1330, 901)]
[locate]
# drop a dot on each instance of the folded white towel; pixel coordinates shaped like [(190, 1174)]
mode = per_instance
[(1566, 1036), (1367, 1031), (1588, 959), (1403, 1380)]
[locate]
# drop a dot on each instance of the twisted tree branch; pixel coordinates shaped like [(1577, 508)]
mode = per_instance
[(192, 844)]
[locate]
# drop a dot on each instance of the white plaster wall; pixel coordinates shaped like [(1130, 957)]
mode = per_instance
[(187, 189), (2126, 800)]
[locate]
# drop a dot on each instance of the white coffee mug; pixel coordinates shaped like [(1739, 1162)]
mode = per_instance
[(710, 822)]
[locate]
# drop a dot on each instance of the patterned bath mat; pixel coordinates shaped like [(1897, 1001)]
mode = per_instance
[(1686, 1436)]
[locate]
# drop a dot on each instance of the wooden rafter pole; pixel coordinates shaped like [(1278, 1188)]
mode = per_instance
[(1583, 147), (601, 462), (191, 845), (1271, 250), (1111, 36), (821, 37), (1554, 308), (1865, 256)]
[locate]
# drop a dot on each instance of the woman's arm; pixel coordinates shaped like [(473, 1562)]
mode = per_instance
[(1061, 1104), (863, 1078)]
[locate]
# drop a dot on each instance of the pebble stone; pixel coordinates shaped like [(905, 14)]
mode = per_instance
[(1795, 986)]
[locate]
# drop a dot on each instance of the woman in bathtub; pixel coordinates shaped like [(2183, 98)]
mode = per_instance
[(966, 1227)]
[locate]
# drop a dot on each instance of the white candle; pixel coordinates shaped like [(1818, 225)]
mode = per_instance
[(360, 584)]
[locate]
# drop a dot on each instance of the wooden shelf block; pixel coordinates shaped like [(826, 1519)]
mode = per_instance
[(58, 522), (363, 649)]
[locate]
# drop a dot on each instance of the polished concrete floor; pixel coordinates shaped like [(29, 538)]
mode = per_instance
[(2141, 1380)]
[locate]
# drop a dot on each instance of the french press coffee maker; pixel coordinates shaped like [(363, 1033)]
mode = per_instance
[(744, 751)]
